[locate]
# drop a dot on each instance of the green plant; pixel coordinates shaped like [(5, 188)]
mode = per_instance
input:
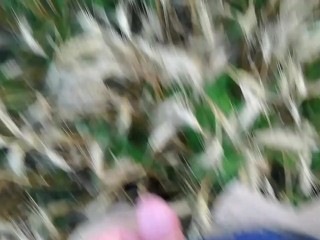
[(97, 95)]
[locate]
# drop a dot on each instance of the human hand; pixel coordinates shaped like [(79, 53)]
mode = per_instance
[(153, 219)]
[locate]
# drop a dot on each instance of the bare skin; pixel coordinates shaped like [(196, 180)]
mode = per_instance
[(151, 219)]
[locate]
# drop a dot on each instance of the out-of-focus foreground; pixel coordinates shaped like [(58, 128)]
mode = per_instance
[(101, 100)]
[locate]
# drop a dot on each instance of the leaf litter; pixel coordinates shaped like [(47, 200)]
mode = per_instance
[(98, 78)]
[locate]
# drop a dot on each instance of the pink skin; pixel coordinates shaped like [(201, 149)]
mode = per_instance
[(117, 234), (155, 221)]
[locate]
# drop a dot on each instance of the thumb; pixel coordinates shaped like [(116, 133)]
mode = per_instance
[(156, 220)]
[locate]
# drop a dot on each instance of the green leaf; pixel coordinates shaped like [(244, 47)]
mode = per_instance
[(312, 70), (231, 163), (311, 110), (223, 92)]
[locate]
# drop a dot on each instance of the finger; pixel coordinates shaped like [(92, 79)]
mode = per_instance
[(156, 220)]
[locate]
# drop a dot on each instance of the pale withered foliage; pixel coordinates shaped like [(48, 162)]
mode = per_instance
[(213, 154), (110, 99), (170, 116), (26, 34)]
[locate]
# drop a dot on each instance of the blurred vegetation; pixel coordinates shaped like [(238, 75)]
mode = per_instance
[(56, 20)]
